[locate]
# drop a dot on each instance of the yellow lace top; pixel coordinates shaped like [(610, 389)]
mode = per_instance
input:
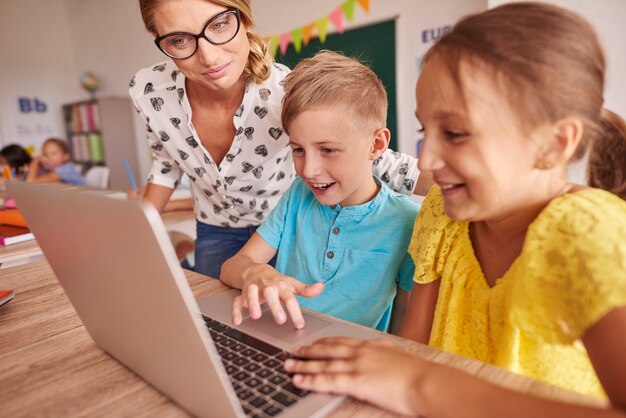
[(570, 273)]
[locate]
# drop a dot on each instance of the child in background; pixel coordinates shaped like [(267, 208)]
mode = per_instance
[(341, 234), (16, 158), (54, 165), (607, 159), (514, 266)]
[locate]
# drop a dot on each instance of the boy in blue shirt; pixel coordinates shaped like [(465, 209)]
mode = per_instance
[(341, 234)]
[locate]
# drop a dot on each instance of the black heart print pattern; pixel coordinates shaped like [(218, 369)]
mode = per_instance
[(259, 216), (377, 161), (265, 205), (237, 201), (261, 112), (280, 176), (252, 204), (175, 122), (191, 141), (157, 103), (385, 177), (216, 209), (271, 177), (203, 215), (174, 75), (246, 166), (200, 171), (239, 111), (157, 146), (239, 131), (207, 192), (192, 178), (171, 88), (160, 67), (149, 88), (181, 94), (183, 154), (229, 179), (248, 133), (245, 189), (409, 184), (207, 160), (404, 169), (163, 136), (132, 84), (258, 172), (233, 219), (261, 150), (275, 132), (264, 94), (260, 192)]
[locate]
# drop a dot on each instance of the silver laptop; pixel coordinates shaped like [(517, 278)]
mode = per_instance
[(117, 265)]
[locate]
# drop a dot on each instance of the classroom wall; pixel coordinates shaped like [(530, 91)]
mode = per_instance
[(47, 44), (415, 21), (38, 65)]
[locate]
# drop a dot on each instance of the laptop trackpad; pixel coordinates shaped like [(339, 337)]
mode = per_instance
[(286, 332)]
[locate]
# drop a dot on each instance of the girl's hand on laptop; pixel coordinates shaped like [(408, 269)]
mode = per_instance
[(374, 371), (262, 283)]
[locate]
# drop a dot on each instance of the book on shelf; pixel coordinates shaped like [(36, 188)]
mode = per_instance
[(11, 234)]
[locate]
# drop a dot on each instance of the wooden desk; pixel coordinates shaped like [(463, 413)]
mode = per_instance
[(15, 254), (50, 366)]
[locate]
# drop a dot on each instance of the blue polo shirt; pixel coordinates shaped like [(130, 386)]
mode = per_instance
[(358, 252)]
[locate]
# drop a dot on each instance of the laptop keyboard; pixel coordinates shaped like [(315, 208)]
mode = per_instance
[(256, 371)]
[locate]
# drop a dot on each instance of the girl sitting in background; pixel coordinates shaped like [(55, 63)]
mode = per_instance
[(514, 266), (54, 165)]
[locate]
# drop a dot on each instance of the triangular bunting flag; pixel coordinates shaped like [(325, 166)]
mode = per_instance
[(274, 41), (307, 31), (322, 28), (285, 40), (365, 4), (337, 18), (348, 9), (296, 38)]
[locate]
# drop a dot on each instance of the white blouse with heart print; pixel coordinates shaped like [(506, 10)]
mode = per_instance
[(257, 169)]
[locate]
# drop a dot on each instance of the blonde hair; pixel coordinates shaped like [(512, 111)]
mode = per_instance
[(548, 60), (607, 158), (260, 59), (331, 79)]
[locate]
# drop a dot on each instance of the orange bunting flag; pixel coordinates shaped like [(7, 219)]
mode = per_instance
[(307, 31), (322, 28), (285, 40), (348, 9), (296, 38), (365, 4), (337, 18)]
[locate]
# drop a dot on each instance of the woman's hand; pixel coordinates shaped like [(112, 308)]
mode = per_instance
[(262, 283), (375, 371)]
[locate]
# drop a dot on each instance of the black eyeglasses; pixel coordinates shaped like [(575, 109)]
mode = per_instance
[(220, 29)]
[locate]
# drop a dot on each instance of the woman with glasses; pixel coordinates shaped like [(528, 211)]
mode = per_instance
[(212, 111)]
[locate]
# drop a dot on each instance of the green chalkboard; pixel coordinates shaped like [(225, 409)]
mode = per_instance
[(374, 45)]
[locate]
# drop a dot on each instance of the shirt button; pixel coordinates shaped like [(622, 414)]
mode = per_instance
[(336, 230), (330, 254)]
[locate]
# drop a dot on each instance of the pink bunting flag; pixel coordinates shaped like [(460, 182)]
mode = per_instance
[(285, 40), (337, 18)]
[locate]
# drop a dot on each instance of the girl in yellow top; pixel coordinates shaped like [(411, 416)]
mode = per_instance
[(516, 267)]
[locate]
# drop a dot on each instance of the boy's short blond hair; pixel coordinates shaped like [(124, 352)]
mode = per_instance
[(332, 80)]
